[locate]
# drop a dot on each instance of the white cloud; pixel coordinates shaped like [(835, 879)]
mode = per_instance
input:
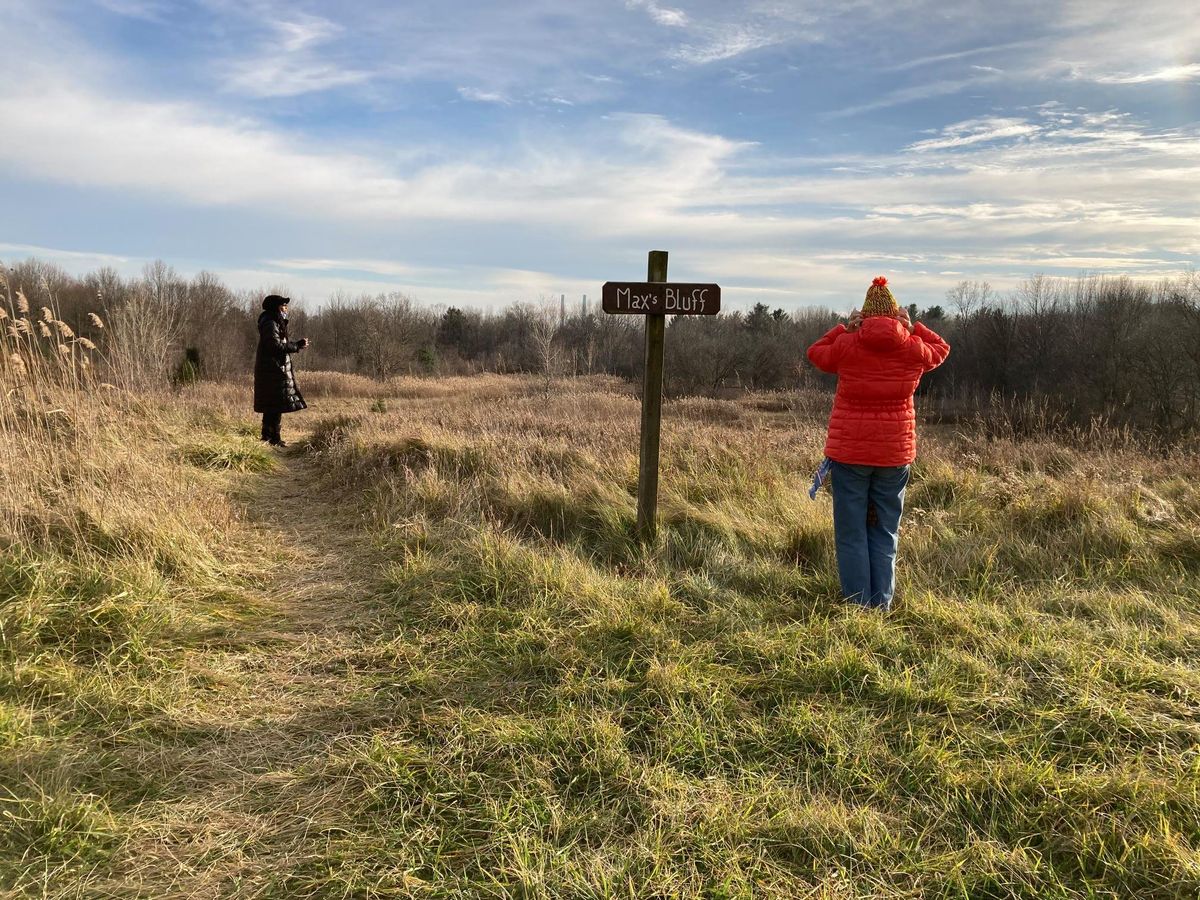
[(975, 131), (987, 181), (476, 95), (284, 78), (305, 31), (723, 44), (371, 266), (287, 63), (1095, 39), (75, 135), (663, 15), (87, 259), (1185, 73)]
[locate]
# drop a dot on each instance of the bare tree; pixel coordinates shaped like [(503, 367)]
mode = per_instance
[(144, 335), (544, 333)]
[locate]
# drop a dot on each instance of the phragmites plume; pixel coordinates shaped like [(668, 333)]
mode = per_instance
[(64, 349), (22, 303), (84, 362), (23, 326), (3, 314), (96, 321), (63, 328), (47, 314), (18, 364), (13, 332), (44, 330), (86, 344)]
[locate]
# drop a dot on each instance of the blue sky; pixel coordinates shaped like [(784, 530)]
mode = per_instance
[(478, 153)]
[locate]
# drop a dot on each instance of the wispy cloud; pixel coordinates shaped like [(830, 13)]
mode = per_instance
[(371, 266), (283, 78), (976, 131), (54, 254), (305, 31), (1184, 73), (476, 95), (960, 54), (913, 94), (287, 64), (721, 44), (663, 15)]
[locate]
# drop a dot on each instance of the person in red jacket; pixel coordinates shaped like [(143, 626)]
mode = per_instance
[(879, 357)]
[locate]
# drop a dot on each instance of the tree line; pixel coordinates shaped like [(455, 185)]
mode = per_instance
[(1117, 350)]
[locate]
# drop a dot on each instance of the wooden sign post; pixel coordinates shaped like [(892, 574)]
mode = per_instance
[(656, 299)]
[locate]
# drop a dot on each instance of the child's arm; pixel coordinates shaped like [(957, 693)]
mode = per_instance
[(826, 354), (931, 350)]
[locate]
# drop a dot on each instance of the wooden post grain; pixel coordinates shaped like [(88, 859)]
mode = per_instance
[(652, 380)]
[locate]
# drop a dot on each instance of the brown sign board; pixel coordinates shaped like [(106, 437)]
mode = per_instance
[(661, 298)]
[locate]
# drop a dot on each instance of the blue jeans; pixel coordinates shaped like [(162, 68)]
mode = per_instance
[(866, 554)]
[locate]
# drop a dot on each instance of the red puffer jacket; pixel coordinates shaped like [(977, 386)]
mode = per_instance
[(878, 368)]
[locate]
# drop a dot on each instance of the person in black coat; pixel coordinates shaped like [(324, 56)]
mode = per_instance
[(275, 391)]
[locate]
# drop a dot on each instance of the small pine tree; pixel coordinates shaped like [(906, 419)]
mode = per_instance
[(427, 360)]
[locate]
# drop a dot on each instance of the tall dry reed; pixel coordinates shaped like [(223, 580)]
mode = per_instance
[(51, 402)]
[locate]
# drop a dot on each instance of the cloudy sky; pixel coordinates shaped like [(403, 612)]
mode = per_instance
[(473, 152)]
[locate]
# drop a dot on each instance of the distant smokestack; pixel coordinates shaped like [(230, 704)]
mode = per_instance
[(562, 310), (585, 306)]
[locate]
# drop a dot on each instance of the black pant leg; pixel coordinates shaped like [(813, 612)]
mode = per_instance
[(270, 425)]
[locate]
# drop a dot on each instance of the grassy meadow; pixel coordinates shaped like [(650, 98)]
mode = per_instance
[(419, 654)]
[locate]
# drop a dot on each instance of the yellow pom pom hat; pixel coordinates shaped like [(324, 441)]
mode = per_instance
[(880, 301)]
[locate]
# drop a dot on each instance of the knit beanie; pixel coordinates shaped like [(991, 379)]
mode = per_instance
[(880, 301)]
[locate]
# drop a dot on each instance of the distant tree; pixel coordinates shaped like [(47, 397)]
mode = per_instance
[(1115, 348), (759, 318), (452, 328)]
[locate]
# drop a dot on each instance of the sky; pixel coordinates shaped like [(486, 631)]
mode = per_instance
[(478, 153)]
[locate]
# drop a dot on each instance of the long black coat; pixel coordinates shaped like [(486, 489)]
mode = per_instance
[(274, 381)]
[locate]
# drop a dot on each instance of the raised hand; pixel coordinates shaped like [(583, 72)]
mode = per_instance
[(903, 317), (855, 320)]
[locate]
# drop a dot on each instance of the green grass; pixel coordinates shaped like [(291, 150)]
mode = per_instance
[(524, 702), (239, 457), (583, 718)]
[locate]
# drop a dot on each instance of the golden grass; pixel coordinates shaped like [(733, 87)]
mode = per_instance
[(422, 655)]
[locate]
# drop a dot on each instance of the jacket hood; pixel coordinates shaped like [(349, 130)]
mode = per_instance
[(883, 333), (265, 316)]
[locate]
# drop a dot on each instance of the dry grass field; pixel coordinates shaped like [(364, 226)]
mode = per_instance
[(420, 655)]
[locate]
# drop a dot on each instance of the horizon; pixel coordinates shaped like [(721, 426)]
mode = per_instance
[(475, 157)]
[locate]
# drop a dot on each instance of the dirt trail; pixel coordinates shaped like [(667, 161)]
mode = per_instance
[(291, 684)]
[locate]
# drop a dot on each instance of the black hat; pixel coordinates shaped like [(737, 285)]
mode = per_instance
[(273, 301)]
